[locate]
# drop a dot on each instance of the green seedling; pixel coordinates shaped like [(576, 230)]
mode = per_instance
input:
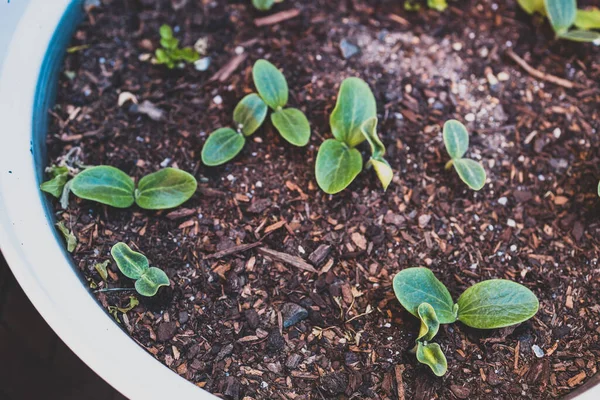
[(135, 266), (264, 5), (55, 186), (414, 5), (108, 185), (114, 310), (170, 54), (456, 139), (226, 143), (70, 238), (491, 304), (353, 120), (563, 14)]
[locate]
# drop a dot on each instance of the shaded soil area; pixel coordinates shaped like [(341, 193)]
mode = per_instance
[(251, 323)]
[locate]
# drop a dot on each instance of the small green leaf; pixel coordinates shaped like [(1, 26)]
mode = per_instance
[(55, 185), (369, 130), (131, 263), (263, 5), (169, 43), (414, 286), (438, 5), (383, 170), (561, 14), (355, 104), (250, 113), (598, 189), (166, 188), (186, 54), (270, 83), (165, 31), (429, 322), (533, 6), (337, 165), (456, 138), (588, 19), (104, 184), (292, 125), (70, 238), (133, 302), (222, 146), (101, 268), (431, 354), (581, 36), (150, 281), (470, 172), (496, 303)]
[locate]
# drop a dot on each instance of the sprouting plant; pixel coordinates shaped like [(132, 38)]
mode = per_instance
[(456, 139), (135, 266), (114, 310), (166, 188), (414, 5), (225, 143), (264, 5), (353, 121), (495, 303), (170, 54), (563, 14)]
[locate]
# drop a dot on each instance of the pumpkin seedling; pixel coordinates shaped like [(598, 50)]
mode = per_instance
[(563, 14), (456, 139), (353, 120), (225, 143), (491, 304), (264, 5), (166, 188), (170, 54), (135, 265)]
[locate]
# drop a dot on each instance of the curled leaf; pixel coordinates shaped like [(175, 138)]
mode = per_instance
[(431, 354), (496, 303), (102, 270), (292, 125), (104, 184), (167, 188), (270, 83), (470, 172), (383, 170), (222, 146), (131, 263), (150, 281), (561, 14), (250, 113), (55, 186), (70, 238), (429, 322), (382, 167), (456, 138), (337, 165)]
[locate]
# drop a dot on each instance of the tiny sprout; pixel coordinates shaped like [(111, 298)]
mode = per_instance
[(250, 113), (264, 5), (353, 120), (56, 184), (456, 139), (491, 304), (170, 54), (135, 265), (70, 238)]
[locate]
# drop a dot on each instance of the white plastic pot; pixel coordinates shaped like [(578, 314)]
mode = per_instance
[(28, 239)]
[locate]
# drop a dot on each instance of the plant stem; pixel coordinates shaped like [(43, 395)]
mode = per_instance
[(449, 164)]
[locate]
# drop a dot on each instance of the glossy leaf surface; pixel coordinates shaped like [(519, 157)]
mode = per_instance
[(337, 165), (131, 263), (270, 83), (470, 172), (250, 113), (221, 146), (429, 322), (150, 281), (292, 125), (104, 184), (431, 354), (167, 188), (456, 138)]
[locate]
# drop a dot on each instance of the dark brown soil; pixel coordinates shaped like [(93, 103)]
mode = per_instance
[(220, 325)]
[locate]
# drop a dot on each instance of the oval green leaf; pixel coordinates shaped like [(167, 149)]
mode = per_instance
[(470, 172), (431, 354), (165, 31), (456, 138), (104, 184), (70, 238), (270, 83), (383, 170), (222, 146), (496, 303), (355, 105), (292, 125), (581, 36), (250, 113), (55, 185), (588, 19), (415, 286), (263, 5), (131, 263), (337, 165), (429, 322), (150, 281), (533, 6), (561, 14), (166, 188)]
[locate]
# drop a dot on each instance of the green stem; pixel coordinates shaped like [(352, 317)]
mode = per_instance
[(449, 164)]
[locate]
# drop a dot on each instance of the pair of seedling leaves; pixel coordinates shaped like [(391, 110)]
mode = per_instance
[(353, 120), (490, 304), (563, 14), (135, 266), (166, 188), (456, 139), (170, 54), (225, 143)]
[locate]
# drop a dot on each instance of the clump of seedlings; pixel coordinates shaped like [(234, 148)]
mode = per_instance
[(264, 5), (456, 139), (166, 188), (135, 266), (170, 54), (491, 304), (225, 143), (563, 14), (353, 121)]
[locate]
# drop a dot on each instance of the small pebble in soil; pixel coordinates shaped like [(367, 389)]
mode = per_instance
[(502, 201), (202, 64), (239, 50), (511, 222), (348, 48), (218, 100), (183, 317), (292, 314), (539, 353)]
